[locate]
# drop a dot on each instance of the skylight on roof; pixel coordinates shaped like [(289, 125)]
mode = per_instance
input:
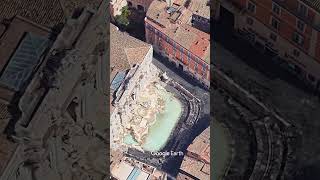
[(23, 61)]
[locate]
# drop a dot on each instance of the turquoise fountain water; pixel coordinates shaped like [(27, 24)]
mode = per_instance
[(160, 131)]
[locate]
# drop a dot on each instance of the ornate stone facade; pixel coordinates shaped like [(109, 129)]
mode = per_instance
[(61, 132)]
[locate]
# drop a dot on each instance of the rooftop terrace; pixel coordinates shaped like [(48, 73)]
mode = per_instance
[(175, 22)]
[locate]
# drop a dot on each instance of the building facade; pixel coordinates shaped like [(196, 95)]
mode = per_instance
[(286, 29), (130, 72), (63, 99), (184, 45), (201, 18)]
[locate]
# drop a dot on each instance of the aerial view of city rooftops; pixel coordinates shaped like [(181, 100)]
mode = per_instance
[(159, 89)]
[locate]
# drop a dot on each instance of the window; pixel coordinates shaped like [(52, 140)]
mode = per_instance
[(297, 38), (203, 70), (275, 23), (249, 21), (276, 8), (167, 39), (296, 53), (300, 25), (302, 10), (251, 7), (195, 67), (273, 37), (196, 59)]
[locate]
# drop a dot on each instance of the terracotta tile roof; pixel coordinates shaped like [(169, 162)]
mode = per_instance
[(134, 57), (184, 36), (206, 168), (201, 146), (178, 2), (44, 12), (201, 46), (125, 51), (181, 31), (195, 168), (200, 7), (158, 11)]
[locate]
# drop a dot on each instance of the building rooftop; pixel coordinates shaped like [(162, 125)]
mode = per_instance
[(195, 168), (45, 12), (23, 61), (11, 38), (175, 22), (129, 169), (122, 170), (9, 43), (200, 8), (201, 145), (197, 161), (125, 51)]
